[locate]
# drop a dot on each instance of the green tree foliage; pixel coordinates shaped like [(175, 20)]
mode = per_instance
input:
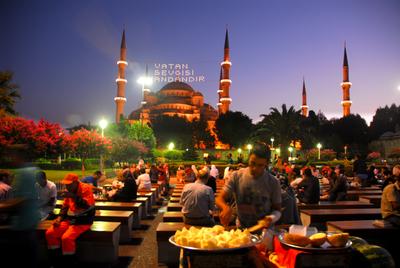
[(8, 93), (126, 150), (283, 125), (353, 131), (385, 119), (201, 134), (173, 129), (142, 133), (234, 128)]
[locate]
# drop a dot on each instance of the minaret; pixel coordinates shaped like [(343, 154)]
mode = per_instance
[(145, 88), (346, 103), (219, 104), (225, 82), (304, 107), (121, 81)]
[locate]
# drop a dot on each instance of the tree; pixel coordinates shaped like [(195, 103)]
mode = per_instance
[(385, 119), (283, 126), (202, 134), (172, 129), (353, 131), (8, 93), (142, 133), (126, 150), (41, 138), (87, 144), (233, 128)]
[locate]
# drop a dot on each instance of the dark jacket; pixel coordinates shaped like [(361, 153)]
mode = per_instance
[(338, 189), (308, 190), (212, 183), (126, 193)]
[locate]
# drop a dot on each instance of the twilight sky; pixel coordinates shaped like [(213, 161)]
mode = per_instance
[(64, 53)]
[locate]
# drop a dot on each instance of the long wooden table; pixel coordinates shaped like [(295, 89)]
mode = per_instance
[(319, 216), (374, 199), (124, 206), (354, 194), (335, 205), (123, 217)]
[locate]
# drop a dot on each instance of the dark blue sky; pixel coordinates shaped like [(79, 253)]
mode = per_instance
[(64, 53)]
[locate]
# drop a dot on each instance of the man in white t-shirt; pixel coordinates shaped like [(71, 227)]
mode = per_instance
[(143, 181), (47, 194)]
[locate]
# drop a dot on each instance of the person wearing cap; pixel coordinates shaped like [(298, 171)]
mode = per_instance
[(76, 217)]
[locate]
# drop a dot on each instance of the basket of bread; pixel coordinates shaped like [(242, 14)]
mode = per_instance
[(213, 239), (309, 239)]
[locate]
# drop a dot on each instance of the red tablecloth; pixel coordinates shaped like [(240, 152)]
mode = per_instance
[(286, 256)]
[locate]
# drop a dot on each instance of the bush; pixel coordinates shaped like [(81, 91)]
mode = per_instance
[(71, 164), (190, 155), (173, 155)]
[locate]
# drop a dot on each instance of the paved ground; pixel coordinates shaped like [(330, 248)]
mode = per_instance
[(142, 250)]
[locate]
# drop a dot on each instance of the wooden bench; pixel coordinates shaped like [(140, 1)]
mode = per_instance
[(146, 206), (335, 205), (174, 207), (151, 204), (123, 217), (177, 216), (318, 217), (354, 194), (98, 245), (373, 199), (168, 254), (174, 199), (176, 195)]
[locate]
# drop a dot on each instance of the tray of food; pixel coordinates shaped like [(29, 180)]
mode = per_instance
[(213, 239), (321, 241)]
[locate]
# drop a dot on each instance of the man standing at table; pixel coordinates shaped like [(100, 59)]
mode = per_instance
[(76, 217), (257, 193)]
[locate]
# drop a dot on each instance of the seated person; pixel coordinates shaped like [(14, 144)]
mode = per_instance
[(47, 194), (76, 217), (198, 201), (390, 203), (143, 181), (338, 190), (308, 189), (180, 174), (128, 191), (93, 180)]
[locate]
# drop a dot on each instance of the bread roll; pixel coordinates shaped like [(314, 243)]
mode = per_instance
[(338, 240), (296, 239), (318, 239)]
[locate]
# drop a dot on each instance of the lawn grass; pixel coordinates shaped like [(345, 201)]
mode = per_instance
[(58, 175)]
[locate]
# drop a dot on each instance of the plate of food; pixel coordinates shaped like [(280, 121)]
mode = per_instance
[(322, 241), (213, 239)]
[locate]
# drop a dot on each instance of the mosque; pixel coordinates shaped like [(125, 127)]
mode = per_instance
[(178, 98), (174, 98)]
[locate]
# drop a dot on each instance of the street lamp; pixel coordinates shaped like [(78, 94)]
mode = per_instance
[(103, 124), (249, 147), (319, 146), (239, 150), (171, 146), (290, 150), (345, 152), (272, 142)]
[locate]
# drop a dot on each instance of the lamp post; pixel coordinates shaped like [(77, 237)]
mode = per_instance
[(290, 149), (249, 147), (103, 124), (319, 146), (272, 142), (345, 152), (171, 146)]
